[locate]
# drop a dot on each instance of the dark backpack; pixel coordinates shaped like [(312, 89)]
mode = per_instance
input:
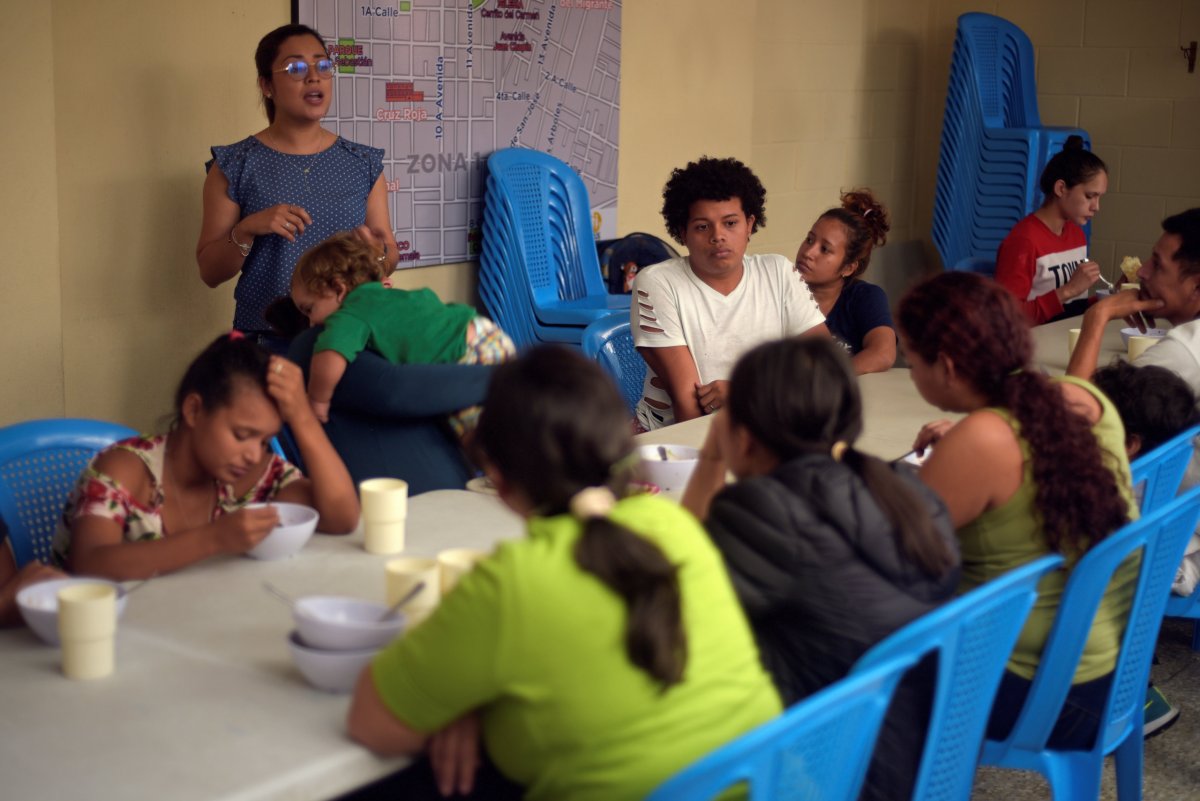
[(620, 259)]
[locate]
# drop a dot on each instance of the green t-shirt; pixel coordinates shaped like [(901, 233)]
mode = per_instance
[(403, 326), (1010, 535), (538, 644)]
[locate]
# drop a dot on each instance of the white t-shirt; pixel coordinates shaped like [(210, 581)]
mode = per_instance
[(771, 302)]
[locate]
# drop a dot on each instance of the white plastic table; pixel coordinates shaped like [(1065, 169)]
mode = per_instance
[(205, 702)]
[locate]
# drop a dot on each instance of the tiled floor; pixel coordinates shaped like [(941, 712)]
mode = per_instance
[(1172, 770)]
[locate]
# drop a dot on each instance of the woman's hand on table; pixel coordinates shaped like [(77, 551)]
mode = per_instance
[(711, 396), (285, 219), (454, 755), (930, 433)]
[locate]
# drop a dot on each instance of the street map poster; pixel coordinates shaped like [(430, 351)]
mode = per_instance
[(441, 84)]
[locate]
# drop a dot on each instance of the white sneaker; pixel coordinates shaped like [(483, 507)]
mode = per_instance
[(1188, 575)]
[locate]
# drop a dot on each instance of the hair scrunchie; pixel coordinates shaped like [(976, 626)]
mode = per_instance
[(592, 502)]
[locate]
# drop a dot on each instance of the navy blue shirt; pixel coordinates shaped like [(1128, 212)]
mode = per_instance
[(860, 308), (332, 186)]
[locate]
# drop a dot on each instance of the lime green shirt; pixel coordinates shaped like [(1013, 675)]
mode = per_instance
[(1011, 535), (538, 645), (403, 326)]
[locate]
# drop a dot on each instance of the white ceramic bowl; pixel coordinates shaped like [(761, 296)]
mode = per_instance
[(337, 623), (39, 604), (1126, 333), (671, 474), (331, 671), (296, 524)]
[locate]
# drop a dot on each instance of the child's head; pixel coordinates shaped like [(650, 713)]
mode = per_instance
[(790, 417), (841, 240), (328, 271), (713, 180), (555, 435), (223, 400), (553, 423), (1073, 181), (1154, 403)]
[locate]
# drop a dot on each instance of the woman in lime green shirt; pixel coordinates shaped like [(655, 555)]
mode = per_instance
[(598, 656), (1037, 465)]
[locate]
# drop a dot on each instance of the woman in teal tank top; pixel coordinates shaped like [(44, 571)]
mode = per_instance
[(1037, 466)]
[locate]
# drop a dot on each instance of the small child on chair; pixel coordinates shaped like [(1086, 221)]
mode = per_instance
[(338, 284)]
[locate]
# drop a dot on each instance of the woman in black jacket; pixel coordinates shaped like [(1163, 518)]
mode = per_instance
[(830, 549)]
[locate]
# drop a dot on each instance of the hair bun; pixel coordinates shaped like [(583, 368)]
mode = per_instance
[(1074, 142), (864, 205)]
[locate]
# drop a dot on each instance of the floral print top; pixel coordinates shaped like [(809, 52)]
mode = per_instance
[(98, 494)]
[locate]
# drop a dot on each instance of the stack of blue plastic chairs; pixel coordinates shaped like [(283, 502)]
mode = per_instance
[(994, 146), (539, 275)]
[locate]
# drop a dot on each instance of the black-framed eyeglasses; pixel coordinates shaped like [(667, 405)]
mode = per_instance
[(298, 70)]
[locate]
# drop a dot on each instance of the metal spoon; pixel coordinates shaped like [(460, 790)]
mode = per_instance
[(405, 598), (662, 453), (278, 593)]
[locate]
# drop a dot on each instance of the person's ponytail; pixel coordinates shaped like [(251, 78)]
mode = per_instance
[(638, 571)]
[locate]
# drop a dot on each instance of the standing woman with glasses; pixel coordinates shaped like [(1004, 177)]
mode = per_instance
[(279, 192)]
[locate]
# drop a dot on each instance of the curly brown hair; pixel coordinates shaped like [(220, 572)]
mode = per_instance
[(342, 259), (712, 179), (867, 226), (979, 325)]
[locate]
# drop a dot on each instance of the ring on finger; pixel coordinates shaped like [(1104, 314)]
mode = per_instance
[(289, 226), (278, 368)]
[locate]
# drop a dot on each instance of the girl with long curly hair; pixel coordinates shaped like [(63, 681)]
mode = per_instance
[(1037, 466)]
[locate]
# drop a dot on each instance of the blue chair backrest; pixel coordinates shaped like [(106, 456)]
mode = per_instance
[(972, 636), (1002, 57), (551, 221), (609, 342), (1160, 537), (818, 750), (1162, 469), (40, 461)]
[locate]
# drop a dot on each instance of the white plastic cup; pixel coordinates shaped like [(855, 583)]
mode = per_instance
[(1139, 344), (402, 574), (456, 563), (87, 628), (384, 511), (1072, 339)]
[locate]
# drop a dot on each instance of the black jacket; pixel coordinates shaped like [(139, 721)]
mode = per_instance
[(820, 573)]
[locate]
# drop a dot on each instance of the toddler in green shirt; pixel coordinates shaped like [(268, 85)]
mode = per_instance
[(339, 284)]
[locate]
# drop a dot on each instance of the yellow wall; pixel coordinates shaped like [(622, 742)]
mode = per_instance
[(117, 103)]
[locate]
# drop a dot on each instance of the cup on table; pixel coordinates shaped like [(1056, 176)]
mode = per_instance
[(403, 573), (1126, 287), (87, 629), (456, 563), (1139, 344), (384, 511), (1072, 338)]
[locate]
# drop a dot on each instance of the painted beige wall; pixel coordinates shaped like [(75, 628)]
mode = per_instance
[(102, 305), (31, 348)]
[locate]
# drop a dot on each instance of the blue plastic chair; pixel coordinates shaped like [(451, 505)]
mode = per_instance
[(818, 750), (40, 461), (977, 264), (609, 342), (1160, 473), (972, 637), (1075, 775), (545, 207), (993, 145), (1162, 469)]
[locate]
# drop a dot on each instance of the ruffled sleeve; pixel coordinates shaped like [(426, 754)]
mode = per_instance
[(372, 157), (232, 161)]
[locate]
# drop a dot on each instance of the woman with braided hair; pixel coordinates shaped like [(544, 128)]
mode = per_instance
[(599, 655), (832, 257), (1037, 466)]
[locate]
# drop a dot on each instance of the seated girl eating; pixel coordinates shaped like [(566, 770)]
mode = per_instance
[(338, 284), (151, 505)]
